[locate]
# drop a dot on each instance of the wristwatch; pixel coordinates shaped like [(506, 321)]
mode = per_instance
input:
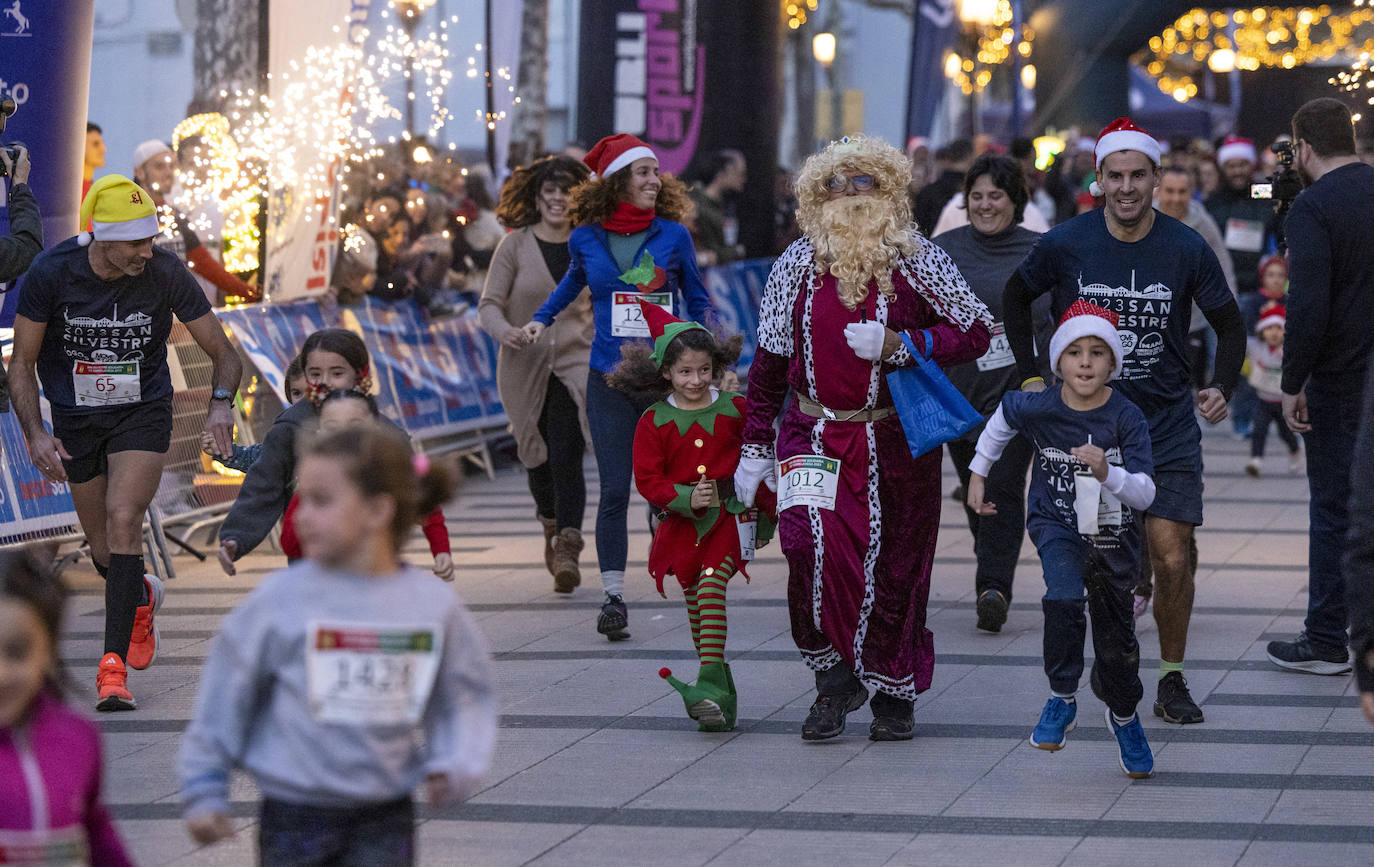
[(222, 394), (1225, 393)]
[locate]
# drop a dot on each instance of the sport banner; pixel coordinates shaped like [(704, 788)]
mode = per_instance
[(934, 28), (302, 229), (30, 504), (736, 290), (652, 67), (45, 67)]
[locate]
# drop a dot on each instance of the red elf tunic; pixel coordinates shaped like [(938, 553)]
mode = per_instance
[(673, 449)]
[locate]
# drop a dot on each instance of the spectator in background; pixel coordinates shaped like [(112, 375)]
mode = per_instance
[(953, 161), (25, 238), (1023, 151), (1175, 199), (1327, 342), (1206, 176), (475, 238), (922, 169), (360, 247), (92, 157), (155, 170), (785, 229), (716, 230)]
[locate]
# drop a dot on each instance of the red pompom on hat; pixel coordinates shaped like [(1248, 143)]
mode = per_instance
[(1122, 134), (1085, 319), (1271, 314), (1237, 148), (615, 152)]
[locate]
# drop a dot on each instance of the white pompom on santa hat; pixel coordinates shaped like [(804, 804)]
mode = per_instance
[(1085, 319), (615, 152), (1237, 148), (1123, 134)]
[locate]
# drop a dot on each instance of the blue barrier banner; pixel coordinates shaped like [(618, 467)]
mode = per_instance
[(736, 290), (30, 504)]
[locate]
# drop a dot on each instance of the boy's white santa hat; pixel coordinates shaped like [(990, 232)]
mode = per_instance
[(1085, 319), (1122, 134), (1237, 148)]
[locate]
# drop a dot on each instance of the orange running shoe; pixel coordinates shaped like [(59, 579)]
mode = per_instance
[(110, 685), (143, 640)]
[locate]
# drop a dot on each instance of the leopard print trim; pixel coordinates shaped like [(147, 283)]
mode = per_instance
[(790, 272), (821, 660), (758, 451), (899, 358)]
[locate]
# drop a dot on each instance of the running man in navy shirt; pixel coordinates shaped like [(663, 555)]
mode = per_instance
[(1091, 474), (1149, 269)]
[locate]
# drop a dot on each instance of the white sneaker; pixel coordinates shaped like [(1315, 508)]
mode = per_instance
[(1252, 467), (1295, 463)]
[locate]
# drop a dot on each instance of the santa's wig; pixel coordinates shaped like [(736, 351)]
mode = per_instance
[(857, 238)]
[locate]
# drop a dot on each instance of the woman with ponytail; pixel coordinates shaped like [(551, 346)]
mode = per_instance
[(628, 245)]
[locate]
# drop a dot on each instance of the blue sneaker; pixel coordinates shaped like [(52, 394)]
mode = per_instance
[(1056, 721), (1135, 756)]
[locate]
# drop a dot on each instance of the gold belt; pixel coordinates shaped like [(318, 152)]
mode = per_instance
[(816, 410)]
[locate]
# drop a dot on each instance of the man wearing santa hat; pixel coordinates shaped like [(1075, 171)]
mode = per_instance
[(1149, 269)]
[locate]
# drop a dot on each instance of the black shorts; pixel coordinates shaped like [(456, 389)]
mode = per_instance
[(91, 438)]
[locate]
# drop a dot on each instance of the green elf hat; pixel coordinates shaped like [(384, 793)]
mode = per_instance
[(663, 327)]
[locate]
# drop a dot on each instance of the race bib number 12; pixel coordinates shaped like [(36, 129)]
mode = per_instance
[(371, 675), (627, 317), (808, 480)]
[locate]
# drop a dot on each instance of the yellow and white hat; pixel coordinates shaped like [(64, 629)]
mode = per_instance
[(118, 210)]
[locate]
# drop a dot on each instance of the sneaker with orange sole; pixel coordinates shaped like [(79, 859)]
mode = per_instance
[(143, 640), (110, 685)]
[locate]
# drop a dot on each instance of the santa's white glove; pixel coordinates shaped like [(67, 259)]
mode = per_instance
[(749, 473), (866, 339)]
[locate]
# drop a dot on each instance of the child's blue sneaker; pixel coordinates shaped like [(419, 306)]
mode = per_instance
[(1135, 756), (1056, 721)]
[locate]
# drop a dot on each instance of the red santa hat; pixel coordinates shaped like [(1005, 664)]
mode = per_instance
[(615, 152), (1085, 319), (1122, 134), (1237, 148), (1272, 314)]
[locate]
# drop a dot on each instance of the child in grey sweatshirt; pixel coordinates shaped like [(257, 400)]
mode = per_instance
[(347, 680)]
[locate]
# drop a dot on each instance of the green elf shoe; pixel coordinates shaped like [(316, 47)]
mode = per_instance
[(731, 701), (708, 699)]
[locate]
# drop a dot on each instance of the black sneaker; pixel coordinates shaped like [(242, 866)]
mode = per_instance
[(826, 719), (992, 610), (1173, 703), (614, 618), (893, 719), (1301, 655)]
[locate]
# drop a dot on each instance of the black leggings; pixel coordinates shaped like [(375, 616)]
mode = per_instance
[(997, 538), (1265, 412), (559, 489)]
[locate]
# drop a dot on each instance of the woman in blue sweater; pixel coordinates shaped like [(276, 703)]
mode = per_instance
[(627, 245)]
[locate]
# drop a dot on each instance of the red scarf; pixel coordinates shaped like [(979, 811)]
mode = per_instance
[(628, 219)]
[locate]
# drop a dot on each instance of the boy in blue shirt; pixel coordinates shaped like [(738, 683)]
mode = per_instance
[(1090, 486)]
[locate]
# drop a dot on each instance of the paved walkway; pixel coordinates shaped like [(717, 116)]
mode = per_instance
[(596, 763)]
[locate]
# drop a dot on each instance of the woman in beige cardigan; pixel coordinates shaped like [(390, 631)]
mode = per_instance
[(543, 385)]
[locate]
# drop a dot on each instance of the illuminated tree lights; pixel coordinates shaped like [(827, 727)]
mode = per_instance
[(995, 43)]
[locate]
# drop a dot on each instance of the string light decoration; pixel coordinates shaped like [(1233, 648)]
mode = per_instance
[(320, 122), (995, 43), (1247, 39), (213, 178), (796, 11)]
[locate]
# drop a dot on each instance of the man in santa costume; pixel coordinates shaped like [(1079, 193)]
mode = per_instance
[(1149, 269), (858, 514)]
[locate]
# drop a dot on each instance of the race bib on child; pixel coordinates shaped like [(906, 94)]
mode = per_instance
[(808, 480), (999, 353), (747, 523), (55, 847), (1108, 511), (1246, 236), (627, 318), (108, 383), (360, 674)]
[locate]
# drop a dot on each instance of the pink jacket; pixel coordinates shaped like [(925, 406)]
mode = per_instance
[(50, 810)]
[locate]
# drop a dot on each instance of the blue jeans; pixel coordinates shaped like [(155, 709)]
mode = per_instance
[(302, 836), (1245, 400), (1333, 409), (612, 417), (1073, 569)]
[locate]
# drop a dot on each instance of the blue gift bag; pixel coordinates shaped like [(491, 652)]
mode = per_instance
[(932, 410)]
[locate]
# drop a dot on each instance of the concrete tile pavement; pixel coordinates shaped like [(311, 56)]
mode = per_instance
[(597, 764)]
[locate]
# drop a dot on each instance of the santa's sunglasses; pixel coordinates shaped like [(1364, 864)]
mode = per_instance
[(859, 183)]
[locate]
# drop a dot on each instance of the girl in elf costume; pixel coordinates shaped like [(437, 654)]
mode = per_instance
[(686, 449)]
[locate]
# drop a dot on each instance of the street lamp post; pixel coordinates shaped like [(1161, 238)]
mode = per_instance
[(823, 49), (410, 12)]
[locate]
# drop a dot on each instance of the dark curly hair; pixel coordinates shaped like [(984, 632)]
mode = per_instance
[(636, 372), (594, 200), (1005, 174), (29, 581), (519, 196)]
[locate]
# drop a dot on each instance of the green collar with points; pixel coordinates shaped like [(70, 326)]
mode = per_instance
[(724, 405)]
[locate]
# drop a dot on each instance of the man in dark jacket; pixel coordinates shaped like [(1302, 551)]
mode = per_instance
[(953, 160), (1359, 559), (25, 239)]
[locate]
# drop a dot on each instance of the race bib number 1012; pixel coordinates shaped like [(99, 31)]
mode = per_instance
[(808, 480)]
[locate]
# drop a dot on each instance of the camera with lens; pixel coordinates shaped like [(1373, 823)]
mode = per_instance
[(7, 108), (1284, 184)]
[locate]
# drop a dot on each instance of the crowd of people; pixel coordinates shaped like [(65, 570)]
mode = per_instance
[(1094, 315)]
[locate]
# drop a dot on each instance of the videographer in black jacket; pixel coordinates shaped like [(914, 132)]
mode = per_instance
[(25, 239)]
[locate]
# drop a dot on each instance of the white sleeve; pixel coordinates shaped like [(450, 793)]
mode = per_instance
[(1136, 490), (996, 434)]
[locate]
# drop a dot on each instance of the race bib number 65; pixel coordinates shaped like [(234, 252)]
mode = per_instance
[(379, 675), (808, 480), (106, 383)]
